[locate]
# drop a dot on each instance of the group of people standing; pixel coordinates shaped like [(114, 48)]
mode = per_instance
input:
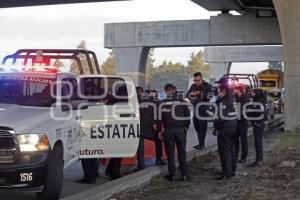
[(231, 126), (159, 123), (167, 121), (234, 113)]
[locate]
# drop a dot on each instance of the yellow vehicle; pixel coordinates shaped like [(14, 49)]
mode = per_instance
[(270, 79)]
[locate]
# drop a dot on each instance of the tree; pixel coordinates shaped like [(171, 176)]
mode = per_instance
[(109, 65), (275, 65), (74, 68), (150, 66), (169, 72), (196, 64)]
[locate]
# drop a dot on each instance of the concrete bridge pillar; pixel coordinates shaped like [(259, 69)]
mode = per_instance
[(131, 61), (219, 69), (288, 12)]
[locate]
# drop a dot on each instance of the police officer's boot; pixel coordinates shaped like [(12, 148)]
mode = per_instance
[(185, 178), (243, 160), (87, 180), (170, 178), (159, 161)]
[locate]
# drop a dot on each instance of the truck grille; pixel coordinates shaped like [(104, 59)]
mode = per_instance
[(8, 149)]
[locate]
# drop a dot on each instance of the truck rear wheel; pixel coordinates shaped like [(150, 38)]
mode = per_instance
[(54, 180)]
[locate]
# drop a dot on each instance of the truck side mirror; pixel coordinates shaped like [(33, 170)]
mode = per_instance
[(75, 105), (65, 108), (79, 104)]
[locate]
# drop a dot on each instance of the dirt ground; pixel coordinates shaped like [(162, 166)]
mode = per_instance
[(277, 178)]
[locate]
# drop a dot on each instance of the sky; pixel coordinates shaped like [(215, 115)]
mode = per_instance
[(64, 26)]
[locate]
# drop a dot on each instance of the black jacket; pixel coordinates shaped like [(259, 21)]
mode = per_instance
[(242, 100), (206, 93), (147, 112), (262, 111), (181, 110), (225, 109)]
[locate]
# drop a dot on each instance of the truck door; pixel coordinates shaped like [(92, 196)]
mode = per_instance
[(68, 128), (110, 126)]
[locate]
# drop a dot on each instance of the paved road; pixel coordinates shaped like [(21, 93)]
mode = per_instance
[(73, 173)]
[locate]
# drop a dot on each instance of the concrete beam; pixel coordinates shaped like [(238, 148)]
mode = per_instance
[(221, 30), (243, 54), (132, 62), (219, 69)]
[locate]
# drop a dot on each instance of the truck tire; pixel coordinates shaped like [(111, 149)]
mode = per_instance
[(54, 179)]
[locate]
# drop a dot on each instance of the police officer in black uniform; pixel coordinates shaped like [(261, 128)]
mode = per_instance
[(242, 124), (175, 127), (225, 128), (90, 167), (200, 91), (258, 122), (114, 165), (146, 121), (148, 128), (153, 98)]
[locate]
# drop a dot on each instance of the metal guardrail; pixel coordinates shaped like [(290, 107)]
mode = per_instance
[(275, 124)]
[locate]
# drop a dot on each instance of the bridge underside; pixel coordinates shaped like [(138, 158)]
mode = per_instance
[(237, 5), (22, 3)]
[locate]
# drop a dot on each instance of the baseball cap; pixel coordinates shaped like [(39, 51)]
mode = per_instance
[(223, 81)]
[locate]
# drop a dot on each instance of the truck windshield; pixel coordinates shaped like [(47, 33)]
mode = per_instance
[(26, 91), (268, 83)]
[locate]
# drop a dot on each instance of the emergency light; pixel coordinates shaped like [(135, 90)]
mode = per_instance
[(32, 68), (31, 57), (40, 68)]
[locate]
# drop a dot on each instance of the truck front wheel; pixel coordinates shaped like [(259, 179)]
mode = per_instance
[(54, 180)]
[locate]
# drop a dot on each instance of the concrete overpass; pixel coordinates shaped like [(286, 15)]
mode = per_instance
[(22, 3), (130, 42), (257, 25), (221, 58), (288, 14)]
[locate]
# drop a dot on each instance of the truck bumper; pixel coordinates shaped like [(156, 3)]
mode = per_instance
[(24, 176)]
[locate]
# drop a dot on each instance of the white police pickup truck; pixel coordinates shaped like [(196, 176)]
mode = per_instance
[(49, 120)]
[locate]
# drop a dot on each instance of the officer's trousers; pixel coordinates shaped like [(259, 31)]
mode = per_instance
[(258, 131), (176, 136), (90, 167), (140, 154), (113, 167), (201, 129), (242, 135), (226, 149), (141, 151)]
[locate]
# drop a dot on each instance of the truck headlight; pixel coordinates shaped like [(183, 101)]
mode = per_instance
[(33, 142)]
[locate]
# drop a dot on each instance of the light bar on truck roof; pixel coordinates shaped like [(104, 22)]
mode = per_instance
[(31, 68)]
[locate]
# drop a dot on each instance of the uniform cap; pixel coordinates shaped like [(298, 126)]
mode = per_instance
[(223, 82)]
